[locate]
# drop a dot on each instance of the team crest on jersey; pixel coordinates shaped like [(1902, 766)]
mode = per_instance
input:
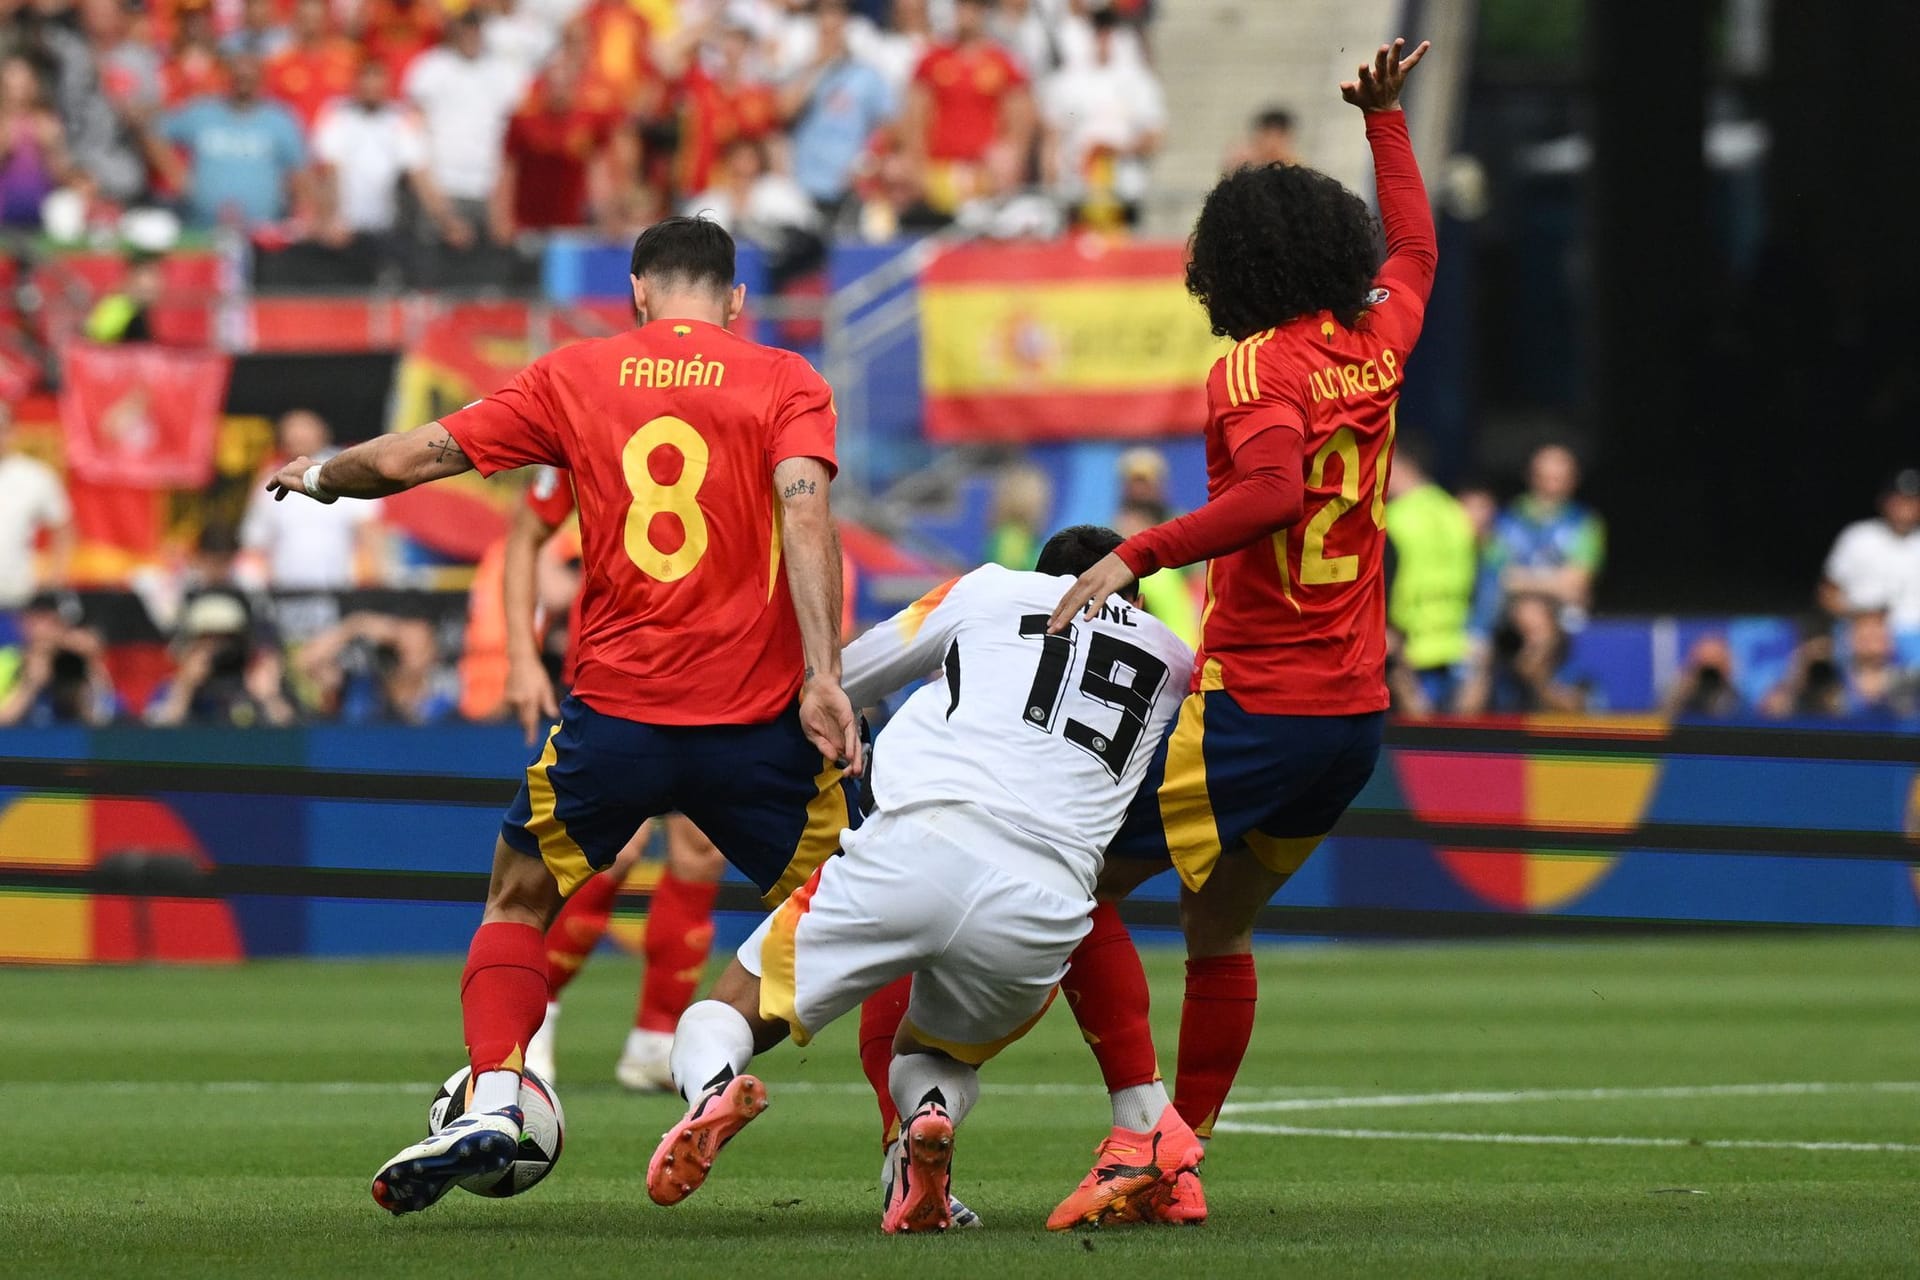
[(1376, 296), (682, 330)]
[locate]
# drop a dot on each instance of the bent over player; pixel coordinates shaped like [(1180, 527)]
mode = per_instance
[(709, 659), (1283, 724), (1004, 778)]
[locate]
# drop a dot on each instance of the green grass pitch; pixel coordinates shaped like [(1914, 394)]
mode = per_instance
[(225, 1122)]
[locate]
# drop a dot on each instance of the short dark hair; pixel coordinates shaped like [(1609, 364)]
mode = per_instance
[(1279, 242), (1278, 119), (689, 252), (1076, 549)]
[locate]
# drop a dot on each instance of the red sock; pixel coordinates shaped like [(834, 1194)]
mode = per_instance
[(503, 994), (679, 935), (1107, 990), (1216, 1022), (880, 1017), (577, 930)]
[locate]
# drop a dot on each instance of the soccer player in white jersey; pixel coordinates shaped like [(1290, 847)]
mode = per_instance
[(1001, 782)]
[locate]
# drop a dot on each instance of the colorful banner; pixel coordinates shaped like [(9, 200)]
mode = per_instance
[(1062, 341), (142, 416)]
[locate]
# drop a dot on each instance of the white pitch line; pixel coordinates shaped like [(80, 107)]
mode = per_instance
[(1556, 1139), (1507, 1097)]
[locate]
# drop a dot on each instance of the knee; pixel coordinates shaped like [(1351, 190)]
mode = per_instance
[(1213, 927)]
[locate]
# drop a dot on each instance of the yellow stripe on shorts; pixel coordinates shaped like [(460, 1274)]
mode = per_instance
[(778, 965), (557, 848), (1186, 810), (826, 819)]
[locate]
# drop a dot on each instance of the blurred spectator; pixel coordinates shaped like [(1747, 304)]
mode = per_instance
[(1434, 567), (1073, 27), (398, 31), (245, 156), (1167, 594), (127, 88), (1546, 543), (377, 669), (260, 33), (62, 677), (518, 34), (1483, 513), (1875, 563), (126, 314), (969, 100), (466, 97), (1029, 36), (1022, 501), (365, 146), (622, 67), (565, 160), (310, 546), (222, 676), (1269, 140), (1705, 689), (833, 106), (315, 67), (33, 145), (897, 51), (1861, 679), (1105, 119), (718, 105), (1143, 477), (769, 209), (1526, 667), (32, 503), (194, 69)]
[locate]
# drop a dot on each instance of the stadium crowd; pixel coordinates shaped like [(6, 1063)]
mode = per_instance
[(354, 140)]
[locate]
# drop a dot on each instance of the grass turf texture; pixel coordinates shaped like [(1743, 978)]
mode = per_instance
[(129, 1157)]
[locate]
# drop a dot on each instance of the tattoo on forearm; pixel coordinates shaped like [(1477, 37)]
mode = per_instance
[(446, 449), (797, 488), (809, 674)]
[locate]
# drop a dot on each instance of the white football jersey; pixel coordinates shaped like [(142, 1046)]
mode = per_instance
[(1051, 735)]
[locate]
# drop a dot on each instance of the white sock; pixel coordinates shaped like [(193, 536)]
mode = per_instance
[(914, 1075), (711, 1043), (1138, 1106), (495, 1090), (643, 1044)]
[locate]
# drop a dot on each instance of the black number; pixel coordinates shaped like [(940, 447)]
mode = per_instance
[(1056, 655), (1118, 675)]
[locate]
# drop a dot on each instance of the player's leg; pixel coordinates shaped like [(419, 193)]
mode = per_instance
[(502, 996), (678, 938), (880, 1017), (572, 937)]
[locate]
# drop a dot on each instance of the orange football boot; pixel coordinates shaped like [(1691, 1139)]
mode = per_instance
[(1139, 1177), (686, 1152), (919, 1199)]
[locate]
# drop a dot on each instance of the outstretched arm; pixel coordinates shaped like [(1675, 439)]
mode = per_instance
[(1405, 215), (810, 544), (375, 468)]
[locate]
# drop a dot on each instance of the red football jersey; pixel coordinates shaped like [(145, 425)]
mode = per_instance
[(1295, 624), (968, 86), (671, 432)]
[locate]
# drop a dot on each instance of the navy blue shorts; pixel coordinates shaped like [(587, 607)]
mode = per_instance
[(1224, 776), (760, 792)]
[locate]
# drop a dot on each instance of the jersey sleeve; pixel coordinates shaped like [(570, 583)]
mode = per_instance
[(1254, 394), (804, 420), (906, 646), (516, 425), (550, 497), (1399, 299)]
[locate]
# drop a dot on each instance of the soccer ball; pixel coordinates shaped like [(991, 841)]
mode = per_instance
[(541, 1135)]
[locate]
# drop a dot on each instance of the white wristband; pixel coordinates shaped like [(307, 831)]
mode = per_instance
[(310, 481)]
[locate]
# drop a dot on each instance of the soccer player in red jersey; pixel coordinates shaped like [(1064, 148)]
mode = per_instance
[(1282, 727), (679, 929), (709, 668)]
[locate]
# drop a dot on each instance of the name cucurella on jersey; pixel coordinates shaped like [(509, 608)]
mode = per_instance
[(695, 371), (1344, 382)]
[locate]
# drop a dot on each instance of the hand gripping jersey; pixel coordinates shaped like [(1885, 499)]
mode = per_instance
[(671, 432), (1050, 735)]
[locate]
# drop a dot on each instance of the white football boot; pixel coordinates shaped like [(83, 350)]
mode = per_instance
[(477, 1145)]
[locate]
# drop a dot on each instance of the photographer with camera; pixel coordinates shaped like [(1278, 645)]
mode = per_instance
[(224, 677)]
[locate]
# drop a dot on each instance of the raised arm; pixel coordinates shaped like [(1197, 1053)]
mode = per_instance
[(810, 545), (1405, 215), (375, 468), (904, 648)]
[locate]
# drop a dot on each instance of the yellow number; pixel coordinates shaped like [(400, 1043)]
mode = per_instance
[(1315, 568), (651, 498)]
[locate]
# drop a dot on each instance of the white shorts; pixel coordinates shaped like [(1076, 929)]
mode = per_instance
[(982, 918)]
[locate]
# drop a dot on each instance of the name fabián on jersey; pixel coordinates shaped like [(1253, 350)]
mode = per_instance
[(695, 371)]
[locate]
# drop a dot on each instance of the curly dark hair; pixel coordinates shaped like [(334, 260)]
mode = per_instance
[(1277, 242)]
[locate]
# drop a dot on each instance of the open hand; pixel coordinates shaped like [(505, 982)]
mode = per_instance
[(1378, 87), (1090, 590)]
